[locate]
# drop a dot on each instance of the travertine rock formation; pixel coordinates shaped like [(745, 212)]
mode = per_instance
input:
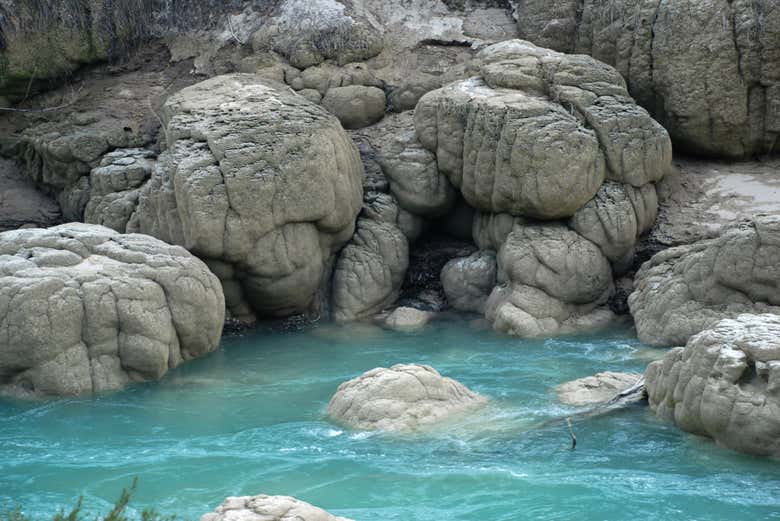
[(709, 70), (84, 308), (308, 32), (259, 179), (21, 203), (268, 508), (468, 281), (371, 268), (115, 187), (401, 398), (684, 290), (725, 384), (538, 132), (552, 282)]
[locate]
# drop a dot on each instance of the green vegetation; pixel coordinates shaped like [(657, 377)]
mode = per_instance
[(118, 513)]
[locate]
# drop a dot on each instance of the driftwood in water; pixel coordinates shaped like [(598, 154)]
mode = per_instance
[(634, 394)]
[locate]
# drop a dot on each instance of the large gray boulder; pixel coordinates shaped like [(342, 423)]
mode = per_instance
[(724, 384), (551, 281), (405, 397), (468, 281), (268, 508), (370, 269), (684, 290), (538, 132), (259, 180), (84, 308), (709, 70)]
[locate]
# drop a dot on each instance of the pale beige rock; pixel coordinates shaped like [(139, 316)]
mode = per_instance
[(405, 397), (268, 508), (592, 390), (258, 178), (370, 269), (538, 132), (551, 281), (725, 384), (84, 308), (115, 187), (684, 290), (672, 54), (616, 218), (407, 319)]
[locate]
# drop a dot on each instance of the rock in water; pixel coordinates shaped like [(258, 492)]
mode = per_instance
[(725, 384), (370, 269), (468, 281), (268, 508), (259, 182), (553, 282), (84, 308), (407, 319), (684, 290), (596, 389), (402, 398)]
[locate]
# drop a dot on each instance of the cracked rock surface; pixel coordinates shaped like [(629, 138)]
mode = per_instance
[(538, 132), (84, 308), (708, 70), (551, 281), (405, 397), (268, 508), (684, 290), (259, 182), (724, 384)]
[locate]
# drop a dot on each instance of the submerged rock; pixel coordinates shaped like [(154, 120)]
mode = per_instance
[(595, 389), (724, 384), (84, 308), (407, 319), (402, 398), (684, 290), (268, 508)]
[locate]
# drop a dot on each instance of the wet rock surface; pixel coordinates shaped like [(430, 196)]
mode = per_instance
[(402, 398), (724, 384)]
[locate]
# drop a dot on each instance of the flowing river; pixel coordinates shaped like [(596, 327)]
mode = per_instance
[(249, 419)]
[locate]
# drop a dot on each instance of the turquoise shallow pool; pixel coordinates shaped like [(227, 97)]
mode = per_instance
[(249, 419)]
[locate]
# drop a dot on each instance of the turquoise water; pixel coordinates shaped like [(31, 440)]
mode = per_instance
[(249, 419)]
